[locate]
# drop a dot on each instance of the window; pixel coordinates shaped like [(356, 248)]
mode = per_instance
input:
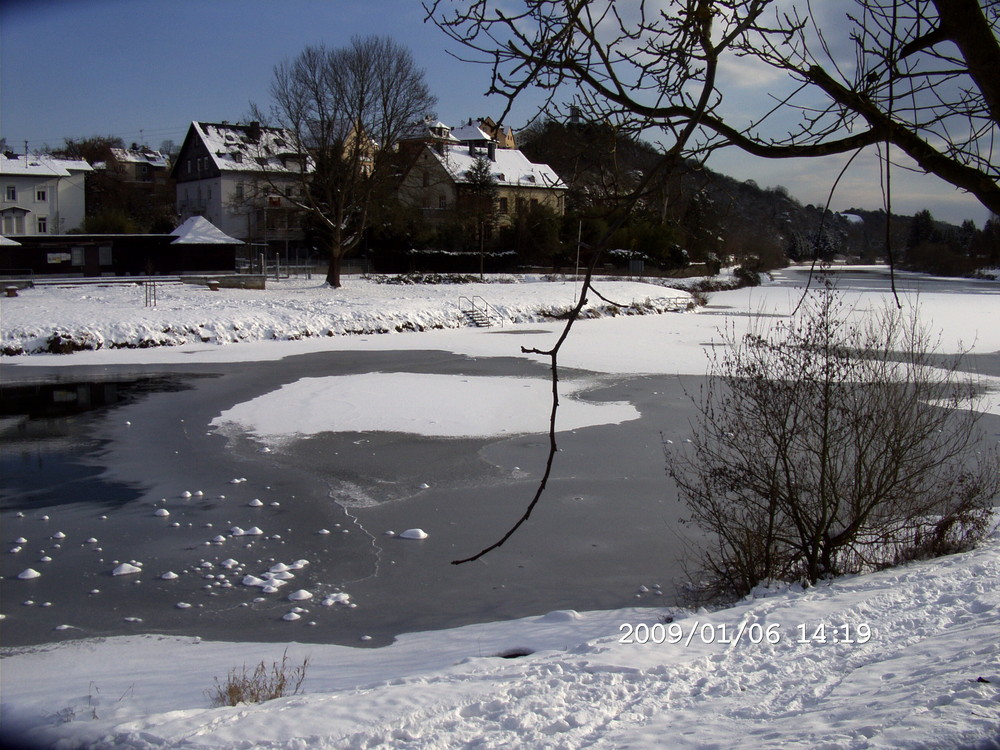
[(10, 193), (104, 257), (41, 195), (239, 192), (42, 224), (442, 202), (504, 206), (237, 157), (76, 256)]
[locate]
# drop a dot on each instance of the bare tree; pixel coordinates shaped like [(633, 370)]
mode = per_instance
[(919, 75), (347, 108), (823, 447)]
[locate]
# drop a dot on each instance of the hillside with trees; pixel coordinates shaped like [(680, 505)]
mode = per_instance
[(691, 214)]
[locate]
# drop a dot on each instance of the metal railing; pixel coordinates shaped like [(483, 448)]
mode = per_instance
[(482, 308)]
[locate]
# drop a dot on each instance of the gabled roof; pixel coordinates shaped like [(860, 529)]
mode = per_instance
[(511, 168), (200, 231), (7, 242), (249, 148), (42, 165), (141, 156), (470, 133), (428, 129)]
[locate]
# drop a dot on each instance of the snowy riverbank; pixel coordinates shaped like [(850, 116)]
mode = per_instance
[(62, 319)]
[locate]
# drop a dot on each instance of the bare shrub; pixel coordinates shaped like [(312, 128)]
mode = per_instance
[(824, 447), (261, 684)]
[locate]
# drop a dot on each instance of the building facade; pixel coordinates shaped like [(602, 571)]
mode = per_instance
[(245, 180), (437, 173), (42, 195), (140, 165)]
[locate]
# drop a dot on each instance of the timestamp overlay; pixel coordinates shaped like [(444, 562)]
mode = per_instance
[(746, 633)]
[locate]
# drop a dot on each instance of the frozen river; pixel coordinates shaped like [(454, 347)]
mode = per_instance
[(105, 465), (606, 527)]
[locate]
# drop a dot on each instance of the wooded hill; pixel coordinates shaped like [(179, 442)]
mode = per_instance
[(684, 212)]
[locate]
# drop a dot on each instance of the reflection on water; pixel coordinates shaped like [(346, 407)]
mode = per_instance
[(46, 451)]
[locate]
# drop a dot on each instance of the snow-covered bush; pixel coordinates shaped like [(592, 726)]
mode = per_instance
[(824, 447)]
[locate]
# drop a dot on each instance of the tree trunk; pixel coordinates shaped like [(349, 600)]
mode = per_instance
[(333, 270)]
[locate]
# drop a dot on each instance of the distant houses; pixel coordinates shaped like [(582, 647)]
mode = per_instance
[(246, 181)]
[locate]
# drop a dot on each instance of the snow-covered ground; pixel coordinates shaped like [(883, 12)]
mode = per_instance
[(905, 658), (109, 316)]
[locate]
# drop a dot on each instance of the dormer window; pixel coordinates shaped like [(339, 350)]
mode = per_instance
[(237, 157)]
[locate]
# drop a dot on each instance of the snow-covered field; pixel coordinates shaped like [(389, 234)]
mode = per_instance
[(906, 658)]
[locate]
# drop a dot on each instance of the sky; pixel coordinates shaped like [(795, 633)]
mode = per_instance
[(142, 70)]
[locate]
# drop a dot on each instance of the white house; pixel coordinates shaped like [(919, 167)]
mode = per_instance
[(41, 194), (439, 163), (243, 179)]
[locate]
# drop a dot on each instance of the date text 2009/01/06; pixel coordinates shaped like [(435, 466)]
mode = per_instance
[(754, 633)]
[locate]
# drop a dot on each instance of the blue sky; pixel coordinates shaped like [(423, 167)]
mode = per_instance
[(144, 69)]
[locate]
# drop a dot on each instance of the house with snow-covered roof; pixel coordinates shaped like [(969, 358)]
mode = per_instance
[(243, 178), (484, 129), (139, 164), (41, 194), (436, 175)]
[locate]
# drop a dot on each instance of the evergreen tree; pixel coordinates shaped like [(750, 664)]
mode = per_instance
[(481, 200), (922, 230)]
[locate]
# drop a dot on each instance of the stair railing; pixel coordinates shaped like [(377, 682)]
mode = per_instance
[(478, 305)]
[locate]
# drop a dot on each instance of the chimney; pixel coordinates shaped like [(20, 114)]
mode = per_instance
[(491, 149)]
